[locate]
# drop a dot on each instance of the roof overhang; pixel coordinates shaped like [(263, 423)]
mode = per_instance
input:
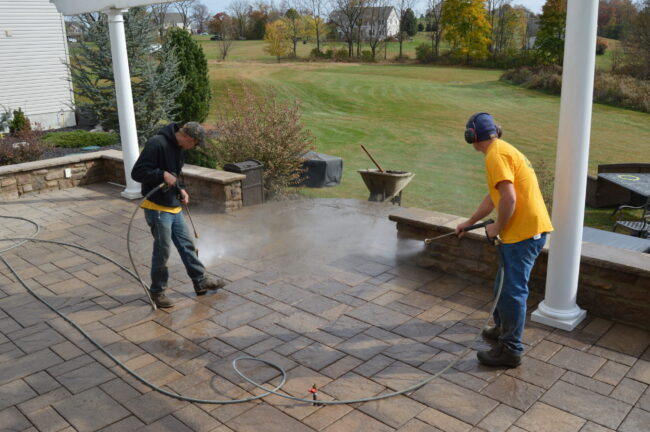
[(76, 7)]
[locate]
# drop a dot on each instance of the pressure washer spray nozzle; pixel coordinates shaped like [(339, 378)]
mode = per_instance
[(469, 228), (314, 394)]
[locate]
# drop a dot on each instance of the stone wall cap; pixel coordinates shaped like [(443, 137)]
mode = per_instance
[(48, 163), (616, 259), (593, 253), (209, 174), (431, 220)]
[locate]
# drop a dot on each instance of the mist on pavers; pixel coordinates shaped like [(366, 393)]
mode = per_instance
[(296, 235)]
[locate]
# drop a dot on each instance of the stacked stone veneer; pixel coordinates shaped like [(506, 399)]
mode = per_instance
[(220, 189), (614, 283), (35, 177)]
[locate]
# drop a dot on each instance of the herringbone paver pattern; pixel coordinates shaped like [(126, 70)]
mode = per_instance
[(323, 288)]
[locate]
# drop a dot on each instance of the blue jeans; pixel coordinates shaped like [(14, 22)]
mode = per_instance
[(167, 228), (517, 260)]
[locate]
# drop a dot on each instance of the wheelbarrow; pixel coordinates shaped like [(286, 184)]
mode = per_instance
[(386, 185)]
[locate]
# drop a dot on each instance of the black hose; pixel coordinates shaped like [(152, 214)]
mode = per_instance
[(275, 390)]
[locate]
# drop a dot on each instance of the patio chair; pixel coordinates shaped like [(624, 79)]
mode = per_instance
[(639, 227)]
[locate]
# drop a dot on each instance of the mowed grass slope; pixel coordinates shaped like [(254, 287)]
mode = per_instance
[(253, 50), (412, 118)]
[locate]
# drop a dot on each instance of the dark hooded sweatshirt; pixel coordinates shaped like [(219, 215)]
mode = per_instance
[(161, 153)]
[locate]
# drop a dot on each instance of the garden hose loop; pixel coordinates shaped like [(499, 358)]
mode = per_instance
[(267, 391)]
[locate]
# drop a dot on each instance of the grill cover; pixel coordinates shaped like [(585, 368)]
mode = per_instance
[(321, 170)]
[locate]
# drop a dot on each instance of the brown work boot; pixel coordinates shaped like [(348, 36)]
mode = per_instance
[(500, 355), (161, 300), (208, 283), (491, 333)]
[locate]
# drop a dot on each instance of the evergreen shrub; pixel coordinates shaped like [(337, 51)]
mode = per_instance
[(424, 53), (366, 56), (19, 123), (80, 138), (340, 54), (193, 103)]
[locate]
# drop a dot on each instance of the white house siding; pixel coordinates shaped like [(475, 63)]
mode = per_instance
[(33, 53), (393, 23)]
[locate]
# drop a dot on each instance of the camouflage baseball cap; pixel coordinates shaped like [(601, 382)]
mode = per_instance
[(196, 131)]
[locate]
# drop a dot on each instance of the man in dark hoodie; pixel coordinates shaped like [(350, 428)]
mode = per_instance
[(162, 161)]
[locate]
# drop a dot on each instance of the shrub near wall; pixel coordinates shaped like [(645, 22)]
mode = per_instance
[(612, 89), (260, 126), (25, 147)]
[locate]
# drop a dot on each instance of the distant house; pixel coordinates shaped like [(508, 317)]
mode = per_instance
[(74, 31), (532, 27), (380, 22), (175, 19), (33, 56)]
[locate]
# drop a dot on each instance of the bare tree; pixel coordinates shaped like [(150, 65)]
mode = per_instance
[(200, 16), (401, 6), (224, 45), (224, 28), (239, 11), (507, 22), (317, 9), (636, 44), (434, 16), (347, 18), (183, 8), (158, 16), (492, 6)]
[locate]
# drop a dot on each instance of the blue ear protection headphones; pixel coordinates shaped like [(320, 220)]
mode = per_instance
[(471, 136)]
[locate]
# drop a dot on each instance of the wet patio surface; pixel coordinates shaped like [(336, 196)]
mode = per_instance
[(323, 288)]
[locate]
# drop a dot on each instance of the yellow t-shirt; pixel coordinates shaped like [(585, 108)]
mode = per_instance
[(153, 206), (504, 162)]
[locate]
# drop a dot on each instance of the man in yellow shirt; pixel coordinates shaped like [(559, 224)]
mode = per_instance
[(161, 160), (522, 224)]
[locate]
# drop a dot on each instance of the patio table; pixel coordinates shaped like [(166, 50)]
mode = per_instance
[(638, 183)]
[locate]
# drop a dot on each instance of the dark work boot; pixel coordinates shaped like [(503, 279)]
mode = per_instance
[(161, 300), (208, 283), (500, 355), (491, 333)]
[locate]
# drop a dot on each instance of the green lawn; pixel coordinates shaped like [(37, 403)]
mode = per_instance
[(604, 61), (412, 118), (253, 50)]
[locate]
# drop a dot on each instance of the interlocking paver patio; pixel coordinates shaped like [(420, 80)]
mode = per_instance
[(337, 308)]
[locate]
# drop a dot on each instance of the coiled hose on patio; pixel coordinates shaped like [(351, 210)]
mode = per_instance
[(275, 391)]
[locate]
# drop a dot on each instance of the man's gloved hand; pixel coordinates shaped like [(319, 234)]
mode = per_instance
[(183, 196)]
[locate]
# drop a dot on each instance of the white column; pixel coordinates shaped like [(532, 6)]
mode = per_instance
[(559, 308), (125, 111)]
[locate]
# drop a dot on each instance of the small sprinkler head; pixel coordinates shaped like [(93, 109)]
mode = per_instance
[(314, 393)]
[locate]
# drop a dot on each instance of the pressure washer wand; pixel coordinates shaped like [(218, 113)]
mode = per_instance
[(189, 216), (469, 228), (187, 210)]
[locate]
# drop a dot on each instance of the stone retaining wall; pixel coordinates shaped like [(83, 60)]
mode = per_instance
[(219, 189), (614, 283), (42, 176)]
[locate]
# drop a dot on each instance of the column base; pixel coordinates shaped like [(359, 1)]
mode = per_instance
[(564, 320), (131, 194)]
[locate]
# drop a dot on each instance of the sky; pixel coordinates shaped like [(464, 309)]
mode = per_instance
[(222, 5)]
